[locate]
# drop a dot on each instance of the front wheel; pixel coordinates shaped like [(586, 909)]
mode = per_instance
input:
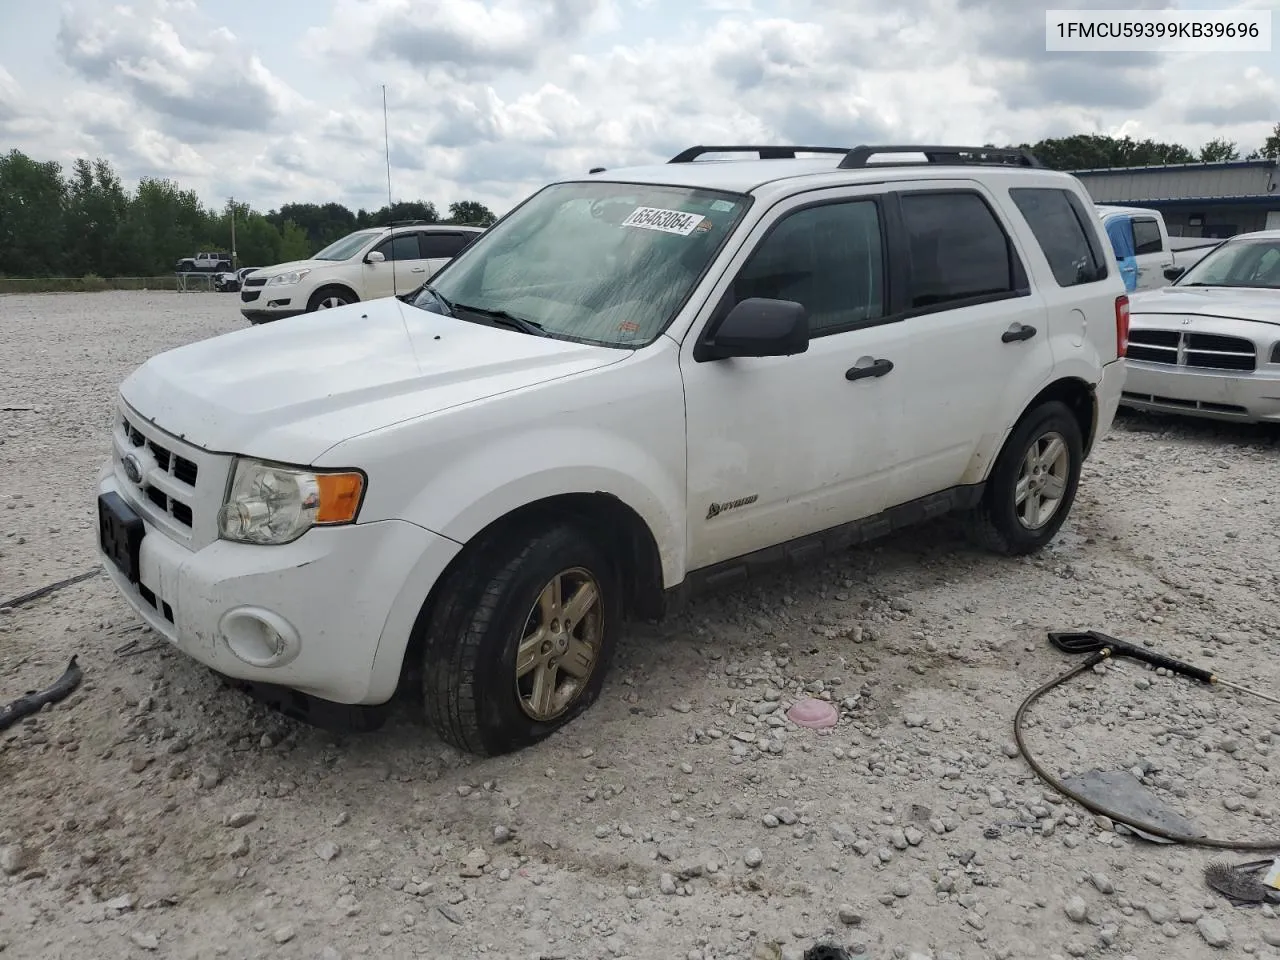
[(1033, 483), (329, 298), (520, 640)]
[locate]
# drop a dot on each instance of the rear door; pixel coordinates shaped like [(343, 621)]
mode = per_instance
[(439, 247), (978, 341)]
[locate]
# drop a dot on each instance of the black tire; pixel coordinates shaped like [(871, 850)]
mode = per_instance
[(995, 523), (474, 629), (329, 297)]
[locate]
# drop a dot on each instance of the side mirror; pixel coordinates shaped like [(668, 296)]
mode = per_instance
[(757, 327), (375, 256), (1173, 273)]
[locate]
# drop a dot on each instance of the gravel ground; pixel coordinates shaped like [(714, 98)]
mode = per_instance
[(156, 813)]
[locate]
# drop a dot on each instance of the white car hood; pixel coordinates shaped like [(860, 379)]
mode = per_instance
[(292, 265), (1236, 303), (291, 389)]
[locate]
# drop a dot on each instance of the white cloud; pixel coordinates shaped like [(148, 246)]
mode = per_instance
[(490, 99)]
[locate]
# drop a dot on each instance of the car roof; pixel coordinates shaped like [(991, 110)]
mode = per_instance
[(785, 176)]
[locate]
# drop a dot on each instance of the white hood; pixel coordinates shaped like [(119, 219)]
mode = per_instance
[(291, 389), (1236, 303)]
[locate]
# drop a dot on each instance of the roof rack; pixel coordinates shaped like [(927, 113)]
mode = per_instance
[(859, 156), (408, 223), (1019, 156), (764, 153)]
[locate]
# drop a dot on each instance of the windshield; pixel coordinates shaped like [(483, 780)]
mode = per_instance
[(347, 247), (1237, 263), (605, 263)]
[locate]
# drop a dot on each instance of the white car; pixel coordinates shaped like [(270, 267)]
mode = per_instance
[(636, 385), (1209, 345), (364, 265)]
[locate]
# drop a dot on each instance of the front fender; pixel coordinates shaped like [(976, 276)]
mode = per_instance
[(551, 462)]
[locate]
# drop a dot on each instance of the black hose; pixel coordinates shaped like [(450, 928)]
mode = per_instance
[(34, 702), (1098, 808), (43, 591)]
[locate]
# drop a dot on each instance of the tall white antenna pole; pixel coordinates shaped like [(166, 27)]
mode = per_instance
[(386, 135)]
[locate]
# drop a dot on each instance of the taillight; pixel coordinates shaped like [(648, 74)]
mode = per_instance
[(1122, 325)]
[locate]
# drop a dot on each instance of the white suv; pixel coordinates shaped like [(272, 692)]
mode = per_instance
[(365, 265), (637, 384)]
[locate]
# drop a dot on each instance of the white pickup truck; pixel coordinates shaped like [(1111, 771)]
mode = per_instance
[(1147, 256)]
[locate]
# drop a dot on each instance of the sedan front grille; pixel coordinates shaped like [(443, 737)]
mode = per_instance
[(1185, 349)]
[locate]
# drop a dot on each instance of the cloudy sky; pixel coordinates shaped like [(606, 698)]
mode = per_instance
[(278, 100)]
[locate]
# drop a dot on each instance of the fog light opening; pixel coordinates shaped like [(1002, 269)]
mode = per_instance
[(259, 637)]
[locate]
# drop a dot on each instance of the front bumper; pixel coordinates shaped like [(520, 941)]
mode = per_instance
[(265, 303), (1240, 396), (343, 599)]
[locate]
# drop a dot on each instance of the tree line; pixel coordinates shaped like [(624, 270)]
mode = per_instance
[(84, 222), (56, 223)]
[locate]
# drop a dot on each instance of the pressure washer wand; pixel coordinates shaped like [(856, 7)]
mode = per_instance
[(1091, 641)]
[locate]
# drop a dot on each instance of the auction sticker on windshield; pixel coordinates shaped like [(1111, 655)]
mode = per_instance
[(668, 221)]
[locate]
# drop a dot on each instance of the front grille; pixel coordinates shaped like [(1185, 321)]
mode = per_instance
[(248, 296), (1200, 350), (255, 281), (170, 496)]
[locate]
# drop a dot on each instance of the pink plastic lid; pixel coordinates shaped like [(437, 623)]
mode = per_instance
[(817, 714)]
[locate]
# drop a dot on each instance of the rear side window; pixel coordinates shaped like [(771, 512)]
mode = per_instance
[(444, 246), (1146, 236), (959, 251), (1057, 219)]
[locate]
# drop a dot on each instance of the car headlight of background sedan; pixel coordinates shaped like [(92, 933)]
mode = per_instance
[(283, 279), (273, 504)]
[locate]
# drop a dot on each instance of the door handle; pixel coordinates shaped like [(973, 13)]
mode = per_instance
[(1019, 331), (862, 370), (419, 270)]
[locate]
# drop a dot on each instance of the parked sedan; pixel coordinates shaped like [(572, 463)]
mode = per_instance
[(1209, 344)]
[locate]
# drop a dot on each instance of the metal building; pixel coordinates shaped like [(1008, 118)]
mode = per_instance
[(1197, 199)]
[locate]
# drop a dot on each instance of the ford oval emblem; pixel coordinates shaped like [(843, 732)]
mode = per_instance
[(132, 468)]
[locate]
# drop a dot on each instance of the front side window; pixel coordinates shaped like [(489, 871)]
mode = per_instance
[(347, 247), (1146, 236), (404, 246), (829, 258), (959, 251), (598, 262), (1058, 221), (1237, 263)]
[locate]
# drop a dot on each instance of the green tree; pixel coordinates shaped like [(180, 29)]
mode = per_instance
[(472, 213), (33, 227), (294, 244), (1219, 150), (1090, 151)]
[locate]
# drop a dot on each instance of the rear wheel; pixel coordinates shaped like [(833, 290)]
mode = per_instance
[(520, 641), (1033, 484)]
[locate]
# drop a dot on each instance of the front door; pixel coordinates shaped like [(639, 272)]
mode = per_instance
[(393, 276), (781, 447), (1152, 256)]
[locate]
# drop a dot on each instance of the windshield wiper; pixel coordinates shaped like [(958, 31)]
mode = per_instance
[(503, 318)]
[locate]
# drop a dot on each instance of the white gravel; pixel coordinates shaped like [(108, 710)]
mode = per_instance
[(157, 814)]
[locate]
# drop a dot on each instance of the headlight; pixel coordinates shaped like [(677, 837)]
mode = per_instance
[(293, 276), (274, 504)]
